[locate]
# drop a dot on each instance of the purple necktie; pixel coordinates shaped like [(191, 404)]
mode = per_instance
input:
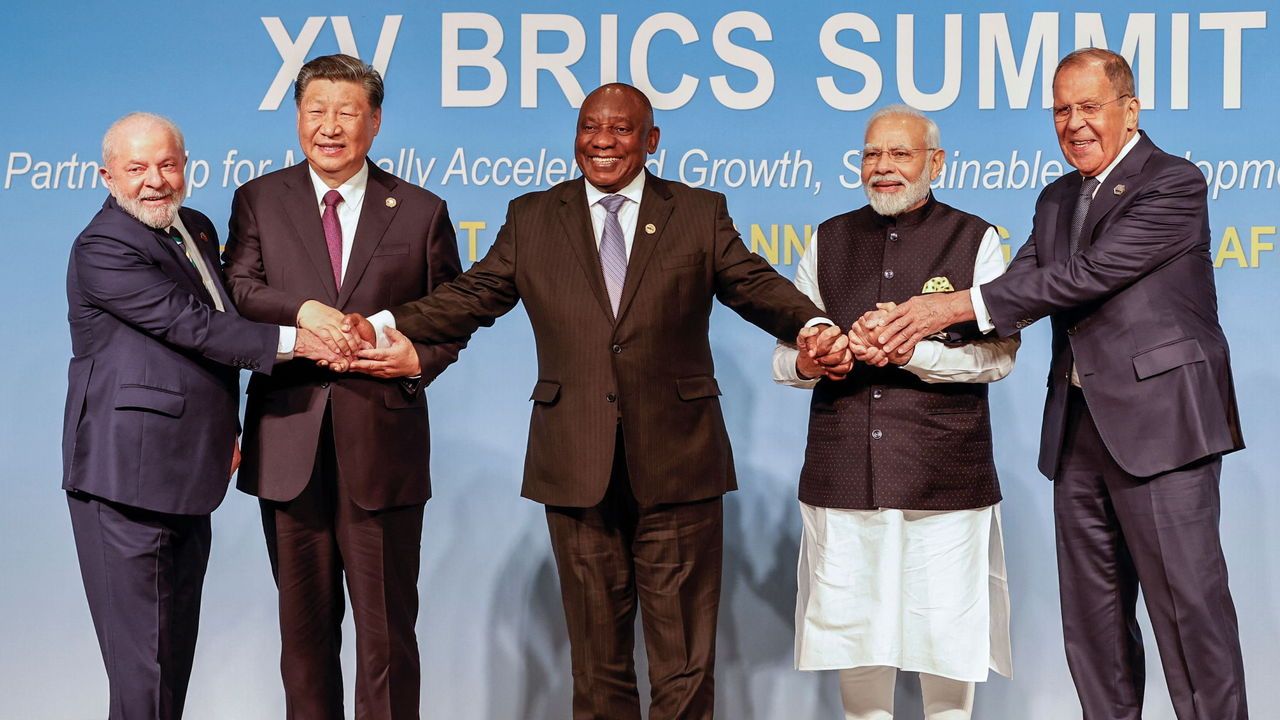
[(333, 234), (613, 250)]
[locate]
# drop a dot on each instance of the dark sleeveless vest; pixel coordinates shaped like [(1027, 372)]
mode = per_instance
[(883, 438)]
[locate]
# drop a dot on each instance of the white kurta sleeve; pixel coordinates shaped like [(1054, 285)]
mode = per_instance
[(785, 354), (981, 361)]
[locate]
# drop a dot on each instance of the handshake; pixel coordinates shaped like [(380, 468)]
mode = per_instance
[(827, 351), (349, 343)]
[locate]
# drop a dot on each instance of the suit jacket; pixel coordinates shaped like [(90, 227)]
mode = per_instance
[(650, 370), (153, 387), (1136, 309), (276, 259)]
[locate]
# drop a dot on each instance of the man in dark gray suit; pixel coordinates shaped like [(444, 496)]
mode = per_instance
[(1141, 404), (149, 434)]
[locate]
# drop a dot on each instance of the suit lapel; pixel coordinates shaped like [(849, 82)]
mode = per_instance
[(575, 217), (209, 251), (375, 217), (655, 209), (1066, 208), (304, 213), (1118, 182)]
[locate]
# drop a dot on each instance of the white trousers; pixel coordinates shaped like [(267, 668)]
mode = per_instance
[(867, 694)]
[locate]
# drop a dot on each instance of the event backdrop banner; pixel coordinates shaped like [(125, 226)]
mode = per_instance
[(763, 101)]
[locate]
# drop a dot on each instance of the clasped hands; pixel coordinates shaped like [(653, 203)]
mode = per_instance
[(348, 343), (830, 352), (888, 334)]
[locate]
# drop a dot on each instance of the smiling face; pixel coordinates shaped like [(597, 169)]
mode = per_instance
[(143, 171), (894, 187), (336, 127), (615, 134), (1091, 144)]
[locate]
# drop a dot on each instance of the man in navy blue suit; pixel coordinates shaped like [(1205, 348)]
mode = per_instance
[(1141, 404), (149, 436)]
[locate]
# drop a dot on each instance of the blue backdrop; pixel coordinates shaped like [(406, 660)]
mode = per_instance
[(764, 101)]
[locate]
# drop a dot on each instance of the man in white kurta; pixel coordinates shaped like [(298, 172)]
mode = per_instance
[(901, 561)]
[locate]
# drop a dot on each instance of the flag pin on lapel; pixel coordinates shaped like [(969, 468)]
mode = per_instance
[(203, 237), (650, 228), (391, 202), (1119, 190)]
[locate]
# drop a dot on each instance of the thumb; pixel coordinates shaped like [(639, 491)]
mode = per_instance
[(395, 336)]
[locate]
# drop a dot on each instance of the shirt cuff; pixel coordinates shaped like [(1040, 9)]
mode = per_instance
[(288, 340), (380, 321), (980, 310), (819, 321), (925, 358)]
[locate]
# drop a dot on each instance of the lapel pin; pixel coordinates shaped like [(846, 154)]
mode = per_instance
[(391, 202), (204, 238), (1119, 190), (650, 228)]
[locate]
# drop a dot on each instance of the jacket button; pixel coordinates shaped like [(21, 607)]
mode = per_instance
[(893, 236), (876, 434), (611, 397), (877, 394), (616, 349), (888, 274), (324, 384), (1071, 330)]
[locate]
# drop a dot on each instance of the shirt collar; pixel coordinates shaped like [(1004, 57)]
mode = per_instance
[(633, 191), (1102, 176), (352, 191)]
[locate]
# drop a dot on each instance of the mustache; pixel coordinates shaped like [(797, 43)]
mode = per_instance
[(891, 177)]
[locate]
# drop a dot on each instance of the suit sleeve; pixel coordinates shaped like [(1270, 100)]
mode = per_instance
[(1167, 220), (474, 299), (123, 281), (746, 283), (443, 265), (246, 274)]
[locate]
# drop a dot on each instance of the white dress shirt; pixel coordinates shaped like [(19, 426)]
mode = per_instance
[(984, 361), (628, 214)]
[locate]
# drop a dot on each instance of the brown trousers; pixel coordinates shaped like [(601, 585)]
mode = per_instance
[(668, 557), (312, 541)]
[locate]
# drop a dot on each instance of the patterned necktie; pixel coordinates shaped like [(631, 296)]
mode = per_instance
[(176, 236), (333, 234), (613, 250), (1082, 209)]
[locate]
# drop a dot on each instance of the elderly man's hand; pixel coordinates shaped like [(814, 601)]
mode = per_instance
[(330, 325), (921, 316), (824, 352)]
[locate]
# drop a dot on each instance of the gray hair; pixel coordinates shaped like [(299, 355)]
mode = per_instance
[(932, 136), (112, 135), (340, 68), (1114, 66)]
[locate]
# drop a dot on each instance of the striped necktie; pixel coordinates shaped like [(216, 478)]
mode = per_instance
[(613, 250)]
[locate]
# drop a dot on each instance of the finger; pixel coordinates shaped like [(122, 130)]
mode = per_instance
[(396, 337), (379, 354), (367, 366)]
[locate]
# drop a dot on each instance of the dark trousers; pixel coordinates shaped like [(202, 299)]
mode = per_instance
[(143, 574), (668, 558), (313, 540), (1116, 533)]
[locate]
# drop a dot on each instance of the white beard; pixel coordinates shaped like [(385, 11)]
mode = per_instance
[(160, 218), (890, 204)]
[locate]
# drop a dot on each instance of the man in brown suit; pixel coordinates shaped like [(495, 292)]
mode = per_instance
[(627, 445), (340, 462)]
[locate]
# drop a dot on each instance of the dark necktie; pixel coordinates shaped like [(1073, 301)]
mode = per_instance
[(613, 250), (176, 237), (333, 234), (1082, 209)]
